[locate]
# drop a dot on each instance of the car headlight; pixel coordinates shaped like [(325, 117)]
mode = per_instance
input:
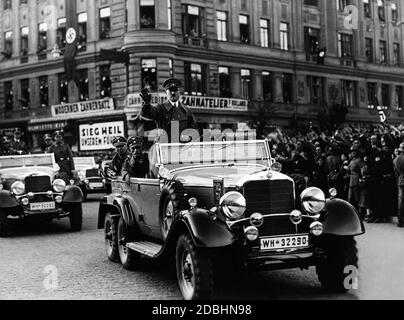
[(313, 200), (18, 188), (233, 205), (59, 185), (276, 166)]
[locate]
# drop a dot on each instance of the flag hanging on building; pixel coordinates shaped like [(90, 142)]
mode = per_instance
[(71, 40)]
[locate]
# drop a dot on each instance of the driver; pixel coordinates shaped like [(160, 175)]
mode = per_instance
[(137, 163)]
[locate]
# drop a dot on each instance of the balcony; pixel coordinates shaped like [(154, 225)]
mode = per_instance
[(195, 41)]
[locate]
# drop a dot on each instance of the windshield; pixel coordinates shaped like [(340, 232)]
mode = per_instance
[(41, 160), (251, 152), (84, 163)]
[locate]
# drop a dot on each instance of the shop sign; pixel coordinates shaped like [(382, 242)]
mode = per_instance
[(99, 136), (50, 126), (83, 107), (193, 102)]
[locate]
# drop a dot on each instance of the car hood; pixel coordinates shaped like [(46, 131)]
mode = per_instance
[(23, 172), (233, 175)]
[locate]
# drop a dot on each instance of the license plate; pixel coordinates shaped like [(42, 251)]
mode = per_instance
[(42, 206), (96, 185), (287, 242)]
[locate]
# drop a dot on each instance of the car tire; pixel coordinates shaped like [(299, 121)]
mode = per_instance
[(3, 225), (194, 270), (129, 259), (340, 252), (76, 217), (174, 200), (111, 238)]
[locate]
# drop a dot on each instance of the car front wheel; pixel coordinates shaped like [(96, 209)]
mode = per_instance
[(76, 217), (3, 225), (129, 258), (111, 238), (337, 272), (194, 270)]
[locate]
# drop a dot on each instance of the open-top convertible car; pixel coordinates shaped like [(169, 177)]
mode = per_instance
[(30, 189), (89, 175), (226, 201)]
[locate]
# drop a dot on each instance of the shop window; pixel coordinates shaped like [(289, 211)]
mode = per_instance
[(195, 79), (345, 46), (106, 84), (25, 94), (8, 96), (192, 21), (312, 43), (82, 32), (267, 86), (284, 36), (224, 82), (244, 29), (147, 14), (43, 91), (264, 33), (8, 45), (221, 25), (83, 84), (149, 74), (61, 34), (246, 83), (63, 89), (24, 44), (287, 88), (105, 23), (42, 40)]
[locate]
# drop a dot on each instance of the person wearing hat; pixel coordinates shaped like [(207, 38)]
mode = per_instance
[(121, 154), (399, 170), (355, 171), (136, 164), (63, 157), (5, 149), (170, 111), (48, 142), (17, 144)]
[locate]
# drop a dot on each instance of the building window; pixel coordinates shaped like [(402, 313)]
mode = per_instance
[(312, 43), (369, 50), (7, 4), (24, 42), (367, 8), (348, 93), (399, 102), (221, 17), (372, 95), (61, 33), (147, 14), (341, 4), (244, 29), (23, 2), (8, 45), (42, 40), (195, 76), (314, 84), (345, 46), (105, 23), (8, 96), (394, 12), (43, 91), (245, 83), (287, 88), (105, 81), (82, 33), (63, 89), (83, 84), (383, 52), (311, 3), (171, 68), (284, 36), (386, 95), (192, 21), (267, 86), (149, 74), (169, 14), (381, 9), (396, 54), (25, 94), (264, 32), (224, 82)]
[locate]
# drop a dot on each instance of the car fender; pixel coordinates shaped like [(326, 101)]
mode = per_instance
[(342, 219), (104, 208), (7, 200), (126, 211), (206, 231), (73, 194)]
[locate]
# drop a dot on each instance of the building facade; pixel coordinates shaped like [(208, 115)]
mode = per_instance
[(239, 60)]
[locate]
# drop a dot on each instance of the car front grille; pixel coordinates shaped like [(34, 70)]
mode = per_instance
[(94, 179), (92, 173), (269, 197), (38, 184), (42, 198)]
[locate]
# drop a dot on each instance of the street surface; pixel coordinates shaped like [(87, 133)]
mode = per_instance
[(31, 258)]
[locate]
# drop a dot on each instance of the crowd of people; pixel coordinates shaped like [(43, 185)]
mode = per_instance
[(363, 164)]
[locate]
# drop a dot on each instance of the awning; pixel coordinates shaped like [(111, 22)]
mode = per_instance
[(107, 113)]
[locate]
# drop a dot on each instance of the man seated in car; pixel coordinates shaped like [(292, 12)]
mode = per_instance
[(136, 164)]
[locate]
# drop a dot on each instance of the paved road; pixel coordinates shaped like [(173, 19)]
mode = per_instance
[(31, 257)]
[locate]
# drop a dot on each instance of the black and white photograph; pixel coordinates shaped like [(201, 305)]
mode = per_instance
[(214, 150)]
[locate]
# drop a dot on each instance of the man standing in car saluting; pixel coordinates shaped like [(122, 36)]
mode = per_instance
[(63, 157)]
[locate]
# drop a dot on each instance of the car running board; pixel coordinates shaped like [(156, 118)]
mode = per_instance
[(149, 249)]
